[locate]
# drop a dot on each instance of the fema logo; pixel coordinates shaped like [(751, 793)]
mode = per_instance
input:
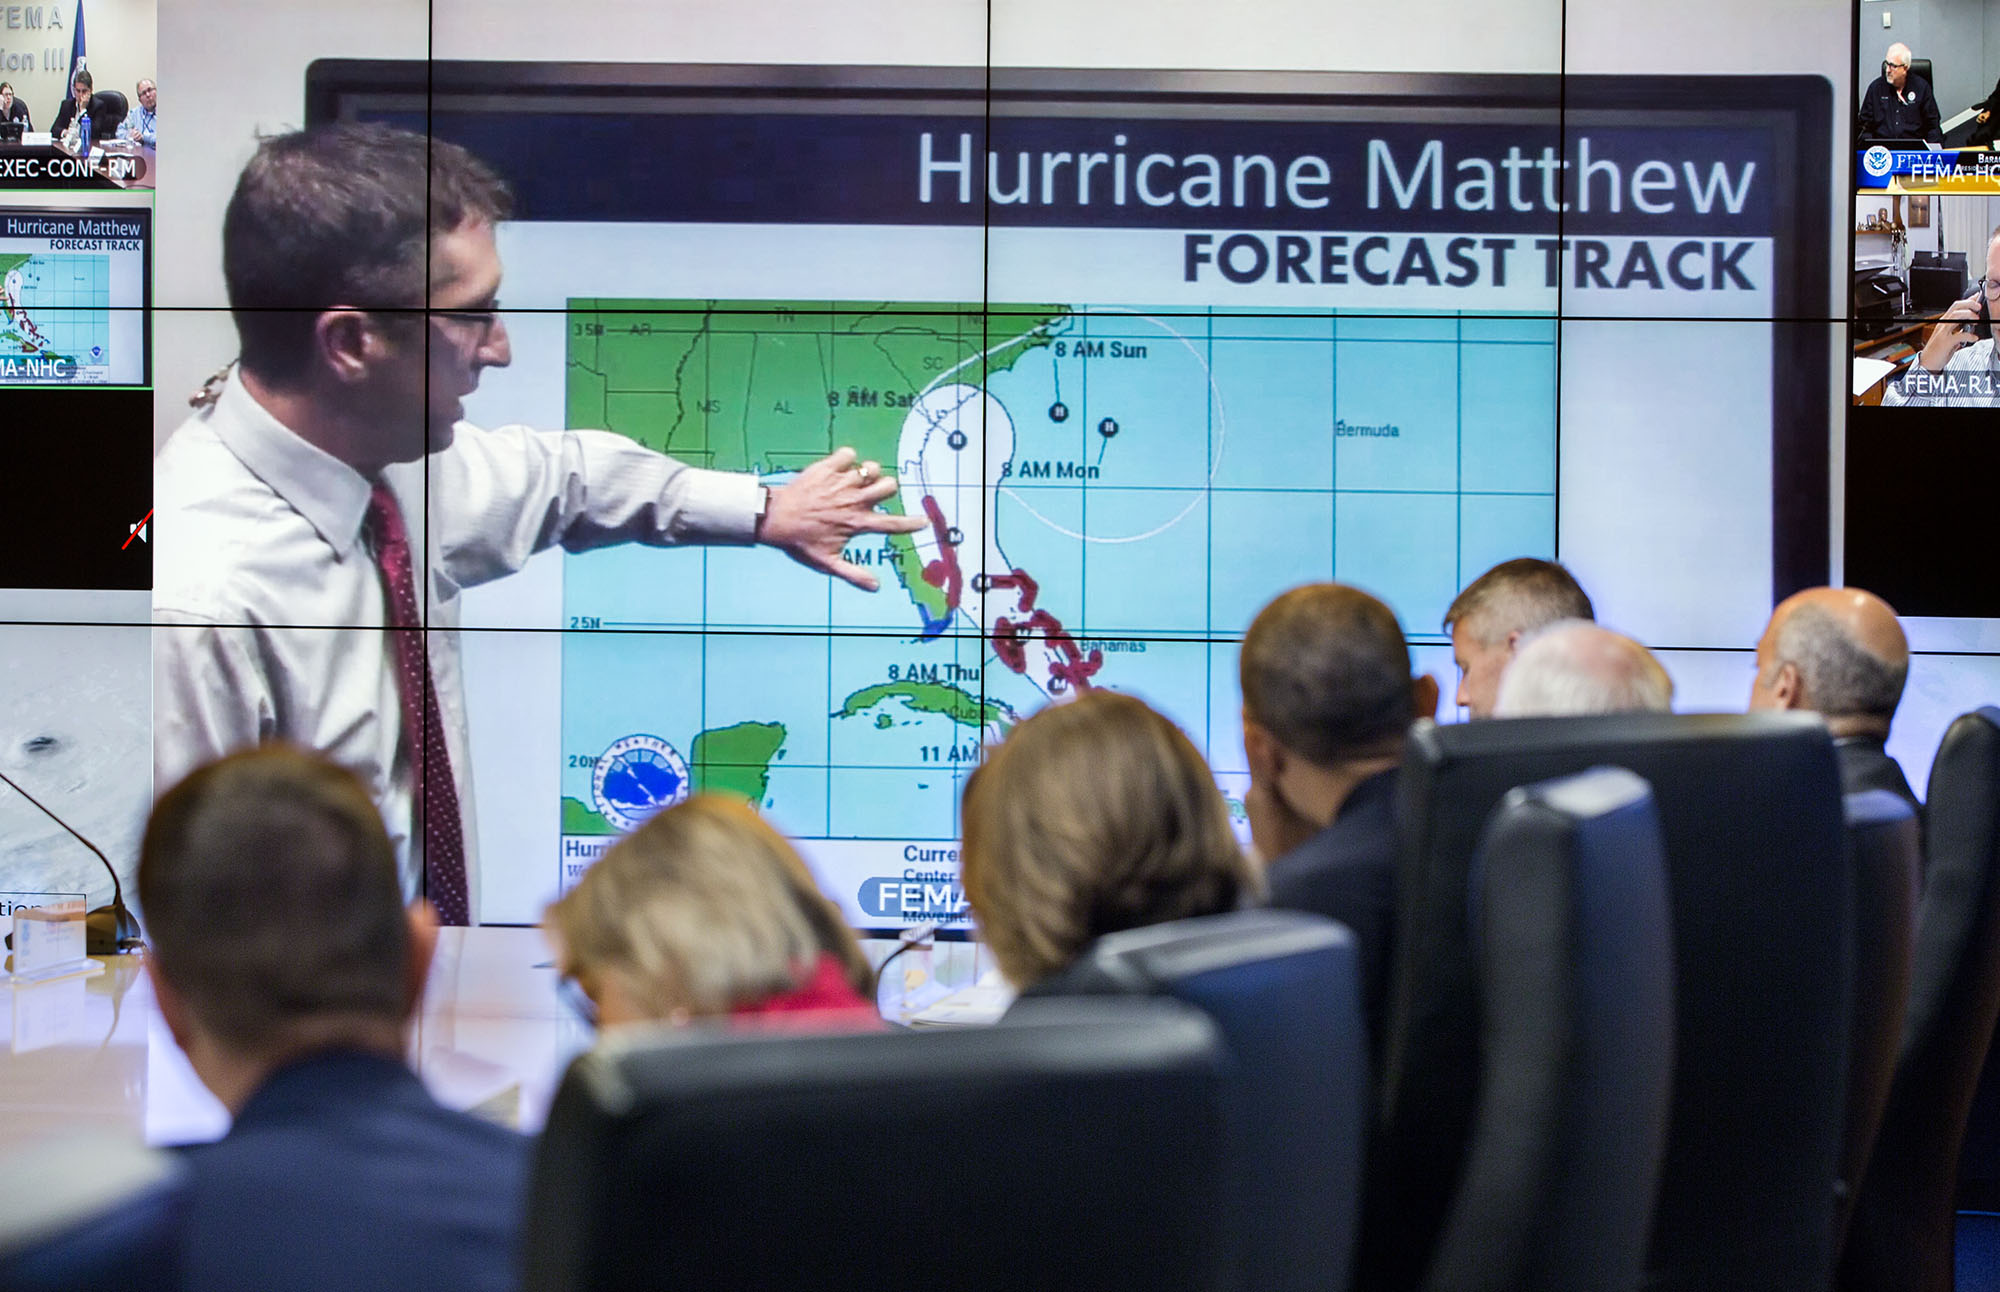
[(1877, 161), (637, 777)]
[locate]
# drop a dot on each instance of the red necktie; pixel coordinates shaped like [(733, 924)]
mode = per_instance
[(436, 805)]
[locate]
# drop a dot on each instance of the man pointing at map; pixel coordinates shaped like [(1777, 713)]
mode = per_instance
[(325, 505)]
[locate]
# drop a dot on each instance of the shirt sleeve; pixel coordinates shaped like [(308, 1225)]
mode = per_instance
[(1871, 115), (500, 496), (210, 697), (1933, 123)]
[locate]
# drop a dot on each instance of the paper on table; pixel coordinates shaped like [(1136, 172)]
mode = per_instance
[(1869, 371)]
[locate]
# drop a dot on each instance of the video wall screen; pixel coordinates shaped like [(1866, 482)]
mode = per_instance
[(1144, 349), (1926, 281)]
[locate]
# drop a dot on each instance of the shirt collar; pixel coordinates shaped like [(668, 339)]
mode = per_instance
[(332, 496)]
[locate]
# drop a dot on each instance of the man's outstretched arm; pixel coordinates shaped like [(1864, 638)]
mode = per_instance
[(497, 497)]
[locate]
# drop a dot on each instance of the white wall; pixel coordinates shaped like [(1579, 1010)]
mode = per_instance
[(119, 39)]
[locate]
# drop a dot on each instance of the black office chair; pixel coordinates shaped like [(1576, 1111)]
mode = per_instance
[(107, 112), (1749, 809), (1075, 1146), (1884, 860), (1575, 968), (1901, 1234), (1284, 988), (1921, 69)]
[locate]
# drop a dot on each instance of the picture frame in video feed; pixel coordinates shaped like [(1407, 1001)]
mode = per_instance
[(1144, 347), (1921, 452)]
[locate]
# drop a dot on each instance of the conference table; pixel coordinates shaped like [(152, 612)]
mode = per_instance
[(93, 1054), (493, 1038)]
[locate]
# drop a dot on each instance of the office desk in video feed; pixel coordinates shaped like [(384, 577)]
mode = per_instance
[(93, 1053)]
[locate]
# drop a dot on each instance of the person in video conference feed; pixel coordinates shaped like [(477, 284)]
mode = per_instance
[(1956, 368), (319, 514), (1899, 104)]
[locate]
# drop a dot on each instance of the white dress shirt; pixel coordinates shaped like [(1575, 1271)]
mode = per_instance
[(268, 608), (1971, 379)]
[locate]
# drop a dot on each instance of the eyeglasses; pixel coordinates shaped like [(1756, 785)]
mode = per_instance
[(1991, 287), (481, 321), (1891, 67)]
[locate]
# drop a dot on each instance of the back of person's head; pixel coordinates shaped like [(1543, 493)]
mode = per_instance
[(1326, 671), (1518, 596), (273, 902), (1837, 651), (702, 910), (1093, 816), (341, 216), (1576, 667)]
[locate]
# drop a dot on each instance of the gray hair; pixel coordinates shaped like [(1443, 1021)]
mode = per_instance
[(1518, 596), (1576, 667), (1898, 48), (1840, 678)]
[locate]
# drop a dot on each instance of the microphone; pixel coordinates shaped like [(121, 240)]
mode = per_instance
[(108, 930)]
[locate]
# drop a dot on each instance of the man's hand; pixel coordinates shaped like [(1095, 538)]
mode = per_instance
[(1951, 333), (1984, 117), (813, 514)]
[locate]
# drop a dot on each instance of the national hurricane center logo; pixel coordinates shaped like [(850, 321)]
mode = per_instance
[(636, 778), (1877, 161)]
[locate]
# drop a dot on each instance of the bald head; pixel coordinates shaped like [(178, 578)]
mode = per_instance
[(1836, 651), (1576, 667)]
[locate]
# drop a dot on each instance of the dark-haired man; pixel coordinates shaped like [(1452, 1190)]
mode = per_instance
[(12, 109), (1488, 620), (1841, 653), (73, 106), (1327, 701), (288, 968), (328, 491)]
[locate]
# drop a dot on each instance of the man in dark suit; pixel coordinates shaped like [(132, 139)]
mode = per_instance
[(1841, 653), (287, 967), (1327, 701), (1899, 104), (73, 106)]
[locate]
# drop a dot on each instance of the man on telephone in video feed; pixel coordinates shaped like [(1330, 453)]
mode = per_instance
[(1899, 105), (1956, 367)]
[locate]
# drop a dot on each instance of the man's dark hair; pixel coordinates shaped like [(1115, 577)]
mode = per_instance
[(1519, 596), (272, 899), (83, 79), (341, 215), (1326, 671), (6, 85)]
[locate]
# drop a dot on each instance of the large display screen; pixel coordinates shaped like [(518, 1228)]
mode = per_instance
[(1144, 350)]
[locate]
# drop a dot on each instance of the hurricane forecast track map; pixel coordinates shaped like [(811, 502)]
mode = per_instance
[(54, 308), (1110, 493)]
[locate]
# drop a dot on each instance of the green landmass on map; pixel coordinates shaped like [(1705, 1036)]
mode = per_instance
[(737, 760), (775, 385), (727, 760), (10, 261), (962, 707), (579, 817)]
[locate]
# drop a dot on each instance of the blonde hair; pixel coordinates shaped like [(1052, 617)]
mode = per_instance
[(1091, 817), (704, 908)]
